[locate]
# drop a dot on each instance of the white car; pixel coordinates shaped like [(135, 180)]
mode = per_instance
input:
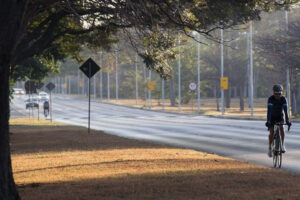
[(19, 91), (32, 103), (43, 96)]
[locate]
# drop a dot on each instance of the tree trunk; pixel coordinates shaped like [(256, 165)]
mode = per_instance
[(294, 104), (242, 103), (8, 189), (172, 96), (11, 12), (228, 97)]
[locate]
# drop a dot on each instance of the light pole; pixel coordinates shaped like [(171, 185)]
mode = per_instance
[(101, 77), (222, 70), (70, 86), (163, 93), (108, 86), (288, 86), (78, 82), (117, 81), (179, 75), (198, 62), (95, 87), (149, 91), (136, 80), (251, 68)]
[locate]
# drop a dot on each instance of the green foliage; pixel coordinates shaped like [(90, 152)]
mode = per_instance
[(35, 68), (11, 90)]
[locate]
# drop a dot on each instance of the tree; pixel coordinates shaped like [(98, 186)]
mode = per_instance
[(42, 27), (281, 49)]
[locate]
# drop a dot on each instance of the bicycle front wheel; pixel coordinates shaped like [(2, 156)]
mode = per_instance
[(275, 158), (279, 159)]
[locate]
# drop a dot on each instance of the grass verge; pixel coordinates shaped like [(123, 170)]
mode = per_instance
[(65, 163)]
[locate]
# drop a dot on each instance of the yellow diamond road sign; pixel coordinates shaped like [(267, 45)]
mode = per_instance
[(150, 85), (224, 83)]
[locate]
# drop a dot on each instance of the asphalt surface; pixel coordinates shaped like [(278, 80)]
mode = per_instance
[(244, 140)]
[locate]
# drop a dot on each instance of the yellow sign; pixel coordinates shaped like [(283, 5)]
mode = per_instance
[(65, 85), (80, 84), (150, 85), (224, 83)]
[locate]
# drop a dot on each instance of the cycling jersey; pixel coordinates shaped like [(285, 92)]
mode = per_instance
[(275, 108)]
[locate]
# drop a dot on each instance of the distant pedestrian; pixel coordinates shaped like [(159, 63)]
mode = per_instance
[(46, 108)]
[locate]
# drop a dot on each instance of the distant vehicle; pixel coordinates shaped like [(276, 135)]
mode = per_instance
[(32, 103), (43, 96), (18, 91)]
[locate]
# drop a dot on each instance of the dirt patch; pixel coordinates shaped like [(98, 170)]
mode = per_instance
[(65, 162)]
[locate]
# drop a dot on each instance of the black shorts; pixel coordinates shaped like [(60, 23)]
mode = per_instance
[(275, 120)]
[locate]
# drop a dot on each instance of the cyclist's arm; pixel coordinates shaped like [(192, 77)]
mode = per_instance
[(270, 106), (285, 106)]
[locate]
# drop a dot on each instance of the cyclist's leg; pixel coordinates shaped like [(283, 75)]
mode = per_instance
[(282, 134), (271, 135)]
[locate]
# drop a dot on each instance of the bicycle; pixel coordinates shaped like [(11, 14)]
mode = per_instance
[(276, 145)]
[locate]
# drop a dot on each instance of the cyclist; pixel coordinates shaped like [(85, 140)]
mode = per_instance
[(276, 104), (46, 108)]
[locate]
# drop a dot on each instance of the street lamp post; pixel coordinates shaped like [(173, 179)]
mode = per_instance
[(163, 93), (251, 68), (198, 62), (149, 91), (288, 86), (179, 75), (222, 70), (101, 78), (136, 80), (108, 86), (117, 81)]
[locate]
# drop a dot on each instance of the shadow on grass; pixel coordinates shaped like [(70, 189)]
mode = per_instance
[(217, 184), (33, 139)]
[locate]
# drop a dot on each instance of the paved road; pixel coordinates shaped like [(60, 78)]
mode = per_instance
[(244, 140)]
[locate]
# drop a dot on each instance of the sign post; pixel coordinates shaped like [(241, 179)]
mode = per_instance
[(89, 68), (192, 87), (50, 86)]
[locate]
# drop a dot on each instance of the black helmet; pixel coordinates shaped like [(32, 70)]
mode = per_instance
[(277, 89)]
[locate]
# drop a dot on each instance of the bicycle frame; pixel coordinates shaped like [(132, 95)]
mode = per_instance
[(276, 146)]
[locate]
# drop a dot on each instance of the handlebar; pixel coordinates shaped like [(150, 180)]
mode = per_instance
[(280, 123)]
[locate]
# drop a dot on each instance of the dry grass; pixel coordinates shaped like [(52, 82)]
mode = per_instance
[(208, 107), (33, 122), (65, 163)]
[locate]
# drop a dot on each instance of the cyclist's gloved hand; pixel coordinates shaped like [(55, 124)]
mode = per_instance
[(289, 124), (268, 124)]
